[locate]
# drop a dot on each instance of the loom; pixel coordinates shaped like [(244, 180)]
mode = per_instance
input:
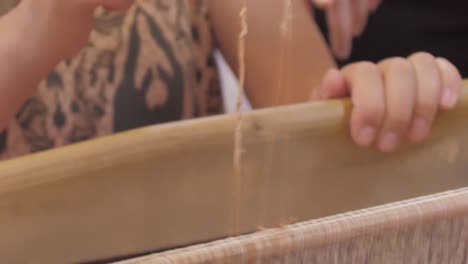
[(307, 194), (163, 194)]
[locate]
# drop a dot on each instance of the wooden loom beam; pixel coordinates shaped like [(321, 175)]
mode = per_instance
[(167, 186), (429, 229)]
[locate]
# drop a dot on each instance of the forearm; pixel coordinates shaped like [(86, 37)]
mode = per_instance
[(278, 70), (22, 66)]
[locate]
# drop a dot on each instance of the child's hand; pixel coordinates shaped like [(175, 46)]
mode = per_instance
[(395, 98), (60, 28), (346, 19)]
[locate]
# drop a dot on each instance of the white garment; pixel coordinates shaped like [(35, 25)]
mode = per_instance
[(229, 86)]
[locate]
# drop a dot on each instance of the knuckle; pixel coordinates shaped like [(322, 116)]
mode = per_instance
[(426, 107), (428, 91), (422, 56), (367, 67), (401, 65), (373, 112), (451, 73)]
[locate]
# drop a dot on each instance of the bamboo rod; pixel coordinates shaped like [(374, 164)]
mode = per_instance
[(168, 186), (430, 229)]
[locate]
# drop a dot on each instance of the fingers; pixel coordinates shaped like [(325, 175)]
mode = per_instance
[(424, 85), (346, 19), (360, 11), (368, 99), (340, 25), (333, 85), (374, 4), (428, 92), (451, 83), (396, 99), (400, 90)]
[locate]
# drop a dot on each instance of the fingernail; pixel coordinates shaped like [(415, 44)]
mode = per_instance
[(448, 98), (419, 130), (388, 142), (366, 136)]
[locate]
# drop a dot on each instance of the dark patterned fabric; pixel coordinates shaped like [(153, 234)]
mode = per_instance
[(151, 65)]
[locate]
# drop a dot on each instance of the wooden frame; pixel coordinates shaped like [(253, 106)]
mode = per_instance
[(429, 229), (169, 186)]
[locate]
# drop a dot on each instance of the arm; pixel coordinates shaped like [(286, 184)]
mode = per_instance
[(21, 68), (394, 100), (35, 36), (307, 57)]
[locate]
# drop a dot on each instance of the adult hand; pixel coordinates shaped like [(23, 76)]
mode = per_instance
[(346, 19)]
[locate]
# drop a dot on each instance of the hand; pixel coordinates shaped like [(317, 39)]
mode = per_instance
[(61, 28), (395, 98), (346, 19)]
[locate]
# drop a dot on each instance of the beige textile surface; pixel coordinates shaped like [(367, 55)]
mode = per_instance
[(432, 229), (168, 186)]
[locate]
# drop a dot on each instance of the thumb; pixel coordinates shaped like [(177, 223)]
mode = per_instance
[(333, 85)]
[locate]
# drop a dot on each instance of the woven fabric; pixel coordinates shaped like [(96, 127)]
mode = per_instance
[(432, 229)]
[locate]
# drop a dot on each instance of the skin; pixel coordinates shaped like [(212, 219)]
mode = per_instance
[(35, 44), (394, 99), (346, 19), (274, 63)]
